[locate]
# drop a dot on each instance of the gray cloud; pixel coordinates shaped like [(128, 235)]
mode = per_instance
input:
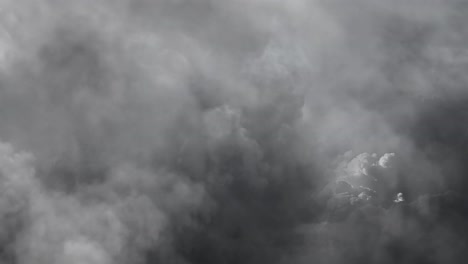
[(177, 131)]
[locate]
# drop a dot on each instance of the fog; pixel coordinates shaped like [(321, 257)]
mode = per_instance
[(234, 131)]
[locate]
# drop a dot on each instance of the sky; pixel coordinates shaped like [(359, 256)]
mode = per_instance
[(233, 131)]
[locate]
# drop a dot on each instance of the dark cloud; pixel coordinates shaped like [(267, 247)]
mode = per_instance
[(237, 131)]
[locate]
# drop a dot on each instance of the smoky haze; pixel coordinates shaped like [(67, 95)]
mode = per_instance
[(234, 131)]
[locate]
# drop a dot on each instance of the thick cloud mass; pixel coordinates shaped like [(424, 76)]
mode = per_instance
[(235, 131)]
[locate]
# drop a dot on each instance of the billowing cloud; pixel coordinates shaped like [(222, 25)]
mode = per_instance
[(235, 131)]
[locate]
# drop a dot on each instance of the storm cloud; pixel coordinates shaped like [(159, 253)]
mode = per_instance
[(235, 131)]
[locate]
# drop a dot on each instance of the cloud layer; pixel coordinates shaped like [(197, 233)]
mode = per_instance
[(236, 131)]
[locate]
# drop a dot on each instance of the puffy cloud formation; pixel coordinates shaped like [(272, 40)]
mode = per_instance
[(103, 224), (386, 160), (186, 132)]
